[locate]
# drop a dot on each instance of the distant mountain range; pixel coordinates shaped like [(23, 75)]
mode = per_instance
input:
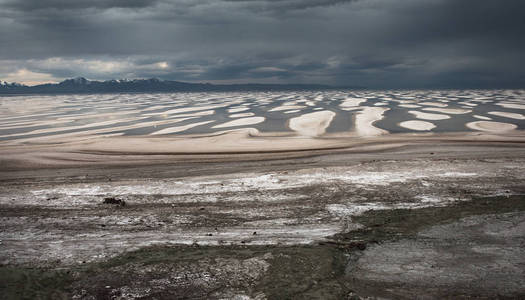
[(82, 85)]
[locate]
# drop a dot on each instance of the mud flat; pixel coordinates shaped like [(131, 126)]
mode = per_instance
[(344, 217)]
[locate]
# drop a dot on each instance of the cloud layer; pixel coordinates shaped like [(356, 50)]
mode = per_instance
[(373, 43)]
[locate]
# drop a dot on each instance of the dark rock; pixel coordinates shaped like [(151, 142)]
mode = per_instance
[(113, 200)]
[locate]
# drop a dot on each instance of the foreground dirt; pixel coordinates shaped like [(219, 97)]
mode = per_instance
[(421, 222)]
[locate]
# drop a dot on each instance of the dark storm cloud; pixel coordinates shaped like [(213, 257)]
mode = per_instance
[(286, 5), (375, 43), (31, 5)]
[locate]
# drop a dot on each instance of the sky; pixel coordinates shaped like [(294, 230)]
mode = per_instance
[(367, 43)]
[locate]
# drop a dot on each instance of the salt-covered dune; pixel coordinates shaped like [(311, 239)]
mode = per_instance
[(453, 111), (286, 107), (312, 124), (231, 141), (81, 118), (246, 144), (436, 104), (188, 109), (507, 115), (293, 111), (417, 125), (409, 105), (86, 126), (59, 137), (191, 114), (365, 119), (352, 102), (241, 122), (428, 116), (491, 126), (511, 105), (481, 117), (242, 115), (179, 128), (72, 117), (238, 109)]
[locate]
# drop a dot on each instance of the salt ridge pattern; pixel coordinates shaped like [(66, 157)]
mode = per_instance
[(361, 112)]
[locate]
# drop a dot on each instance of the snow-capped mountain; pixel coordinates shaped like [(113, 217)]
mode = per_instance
[(152, 85)]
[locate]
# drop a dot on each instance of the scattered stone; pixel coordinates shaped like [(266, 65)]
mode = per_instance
[(255, 233), (113, 200)]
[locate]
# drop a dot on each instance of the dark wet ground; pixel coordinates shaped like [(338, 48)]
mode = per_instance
[(415, 253), (467, 244)]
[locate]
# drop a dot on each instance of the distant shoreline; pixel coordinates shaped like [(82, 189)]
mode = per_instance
[(81, 85)]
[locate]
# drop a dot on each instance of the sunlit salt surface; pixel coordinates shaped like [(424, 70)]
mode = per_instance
[(491, 126), (428, 116), (306, 113), (417, 125)]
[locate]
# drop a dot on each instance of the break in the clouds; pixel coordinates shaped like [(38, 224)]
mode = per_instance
[(372, 43)]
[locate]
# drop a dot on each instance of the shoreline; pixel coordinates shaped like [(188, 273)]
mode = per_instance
[(242, 145)]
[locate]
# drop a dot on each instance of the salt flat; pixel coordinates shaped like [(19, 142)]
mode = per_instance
[(337, 189), (23, 118)]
